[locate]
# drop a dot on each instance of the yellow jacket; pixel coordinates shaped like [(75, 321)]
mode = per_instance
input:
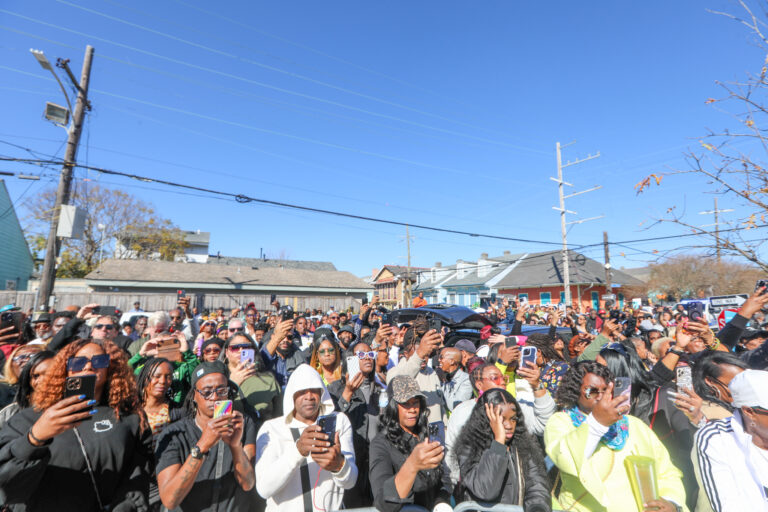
[(600, 483)]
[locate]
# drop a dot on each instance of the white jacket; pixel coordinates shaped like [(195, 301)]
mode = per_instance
[(730, 468), (278, 461)]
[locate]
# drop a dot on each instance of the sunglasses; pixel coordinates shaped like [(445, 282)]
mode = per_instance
[(221, 392), (78, 364), (333, 317), (498, 379), (108, 327), (236, 329), (175, 317), (593, 392), (364, 355), (238, 348), (212, 351), (22, 358), (326, 351)]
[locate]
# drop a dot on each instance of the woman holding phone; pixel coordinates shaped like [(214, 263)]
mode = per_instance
[(500, 461), (589, 439), (257, 384), (405, 465), (326, 359), (84, 444)]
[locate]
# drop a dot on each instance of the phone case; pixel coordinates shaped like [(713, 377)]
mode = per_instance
[(528, 355), (328, 426), (353, 366), (684, 378), (436, 431), (81, 385), (248, 355), (222, 407)]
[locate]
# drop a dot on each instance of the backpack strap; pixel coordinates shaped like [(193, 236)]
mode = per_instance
[(306, 488)]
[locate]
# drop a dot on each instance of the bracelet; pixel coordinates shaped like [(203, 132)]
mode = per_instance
[(714, 345), (36, 441)]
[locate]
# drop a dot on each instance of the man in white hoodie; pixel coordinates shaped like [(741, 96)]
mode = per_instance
[(297, 468)]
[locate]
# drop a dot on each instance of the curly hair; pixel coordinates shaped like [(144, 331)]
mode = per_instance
[(569, 391), (546, 345), (477, 435), (389, 427), (120, 389)]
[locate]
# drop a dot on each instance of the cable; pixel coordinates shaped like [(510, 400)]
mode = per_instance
[(242, 198), (268, 86)]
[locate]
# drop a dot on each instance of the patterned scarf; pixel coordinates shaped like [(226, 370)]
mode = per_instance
[(617, 434)]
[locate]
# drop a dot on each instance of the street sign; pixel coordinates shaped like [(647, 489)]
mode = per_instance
[(725, 316), (609, 296), (728, 301)]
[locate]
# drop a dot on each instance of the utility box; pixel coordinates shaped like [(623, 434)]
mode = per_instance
[(71, 222)]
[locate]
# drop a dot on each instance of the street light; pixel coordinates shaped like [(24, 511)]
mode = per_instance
[(45, 64)]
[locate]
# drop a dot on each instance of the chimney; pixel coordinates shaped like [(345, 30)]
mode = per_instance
[(438, 264), (374, 272), (484, 256), (507, 253)]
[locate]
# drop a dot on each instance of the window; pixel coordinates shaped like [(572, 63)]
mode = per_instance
[(472, 299), (562, 297), (595, 300), (523, 297), (546, 298), (451, 298), (621, 300)]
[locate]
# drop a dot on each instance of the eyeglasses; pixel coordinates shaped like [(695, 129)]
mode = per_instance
[(333, 317), (107, 327), (498, 378), (22, 358), (236, 329), (212, 351), (326, 351), (78, 364), (221, 392), (250, 316), (593, 392), (238, 348), (175, 317), (364, 355)]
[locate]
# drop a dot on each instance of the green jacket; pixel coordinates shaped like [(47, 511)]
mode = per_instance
[(182, 373), (262, 392), (593, 349)]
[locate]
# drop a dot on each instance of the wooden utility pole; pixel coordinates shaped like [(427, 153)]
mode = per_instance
[(409, 295), (716, 212), (53, 244), (607, 252)]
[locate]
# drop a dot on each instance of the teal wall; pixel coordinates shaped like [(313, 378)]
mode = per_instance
[(15, 260)]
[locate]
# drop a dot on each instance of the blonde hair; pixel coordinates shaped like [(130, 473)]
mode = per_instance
[(8, 376)]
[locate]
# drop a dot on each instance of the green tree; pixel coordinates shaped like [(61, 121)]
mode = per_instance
[(118, 212)]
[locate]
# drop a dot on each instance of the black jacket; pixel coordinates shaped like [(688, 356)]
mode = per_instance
[(495, 479), (730, 335), (55, 476), (385, 461)]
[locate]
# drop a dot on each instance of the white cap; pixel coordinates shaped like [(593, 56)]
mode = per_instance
[(750, 389)]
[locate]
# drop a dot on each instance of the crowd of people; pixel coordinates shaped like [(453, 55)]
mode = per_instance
[(612, 410)]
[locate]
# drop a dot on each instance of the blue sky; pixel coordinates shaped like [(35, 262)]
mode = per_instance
[(437, 113)]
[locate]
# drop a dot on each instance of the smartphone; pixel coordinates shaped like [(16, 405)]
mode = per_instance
[(105, 310), (365, 300), (695, 310), (684, 378), (272, 298), (169, 348), (760, 284), (436, 432), (11, 318), (353, 367), (510, 341), (80, 385), (180, 294), (386, 319), (247, 355), (528, 354), (222, 408), (286, 313), (623, 387), (327, 425), (435, 324)]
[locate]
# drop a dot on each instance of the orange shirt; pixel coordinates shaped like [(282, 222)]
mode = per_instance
[(418, 302)]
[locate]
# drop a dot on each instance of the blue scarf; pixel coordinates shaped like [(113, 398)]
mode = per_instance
[(617, 434)]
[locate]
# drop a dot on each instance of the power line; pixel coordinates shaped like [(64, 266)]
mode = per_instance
[(273, 87), (242, 198)]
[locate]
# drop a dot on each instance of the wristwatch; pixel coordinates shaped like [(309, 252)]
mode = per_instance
[(197, 453), (680, 353)]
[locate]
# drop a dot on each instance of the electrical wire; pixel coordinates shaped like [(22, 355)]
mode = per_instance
[(242, 198)]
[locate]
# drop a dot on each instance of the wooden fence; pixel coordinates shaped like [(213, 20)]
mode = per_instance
[(165, 301)]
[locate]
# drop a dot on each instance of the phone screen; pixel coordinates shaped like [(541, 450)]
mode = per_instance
[(328, 426)]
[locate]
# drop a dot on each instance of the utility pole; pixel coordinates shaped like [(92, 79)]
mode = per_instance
[(562, 197), (716, 213), (65, 180), (409, 294), (607, 252)]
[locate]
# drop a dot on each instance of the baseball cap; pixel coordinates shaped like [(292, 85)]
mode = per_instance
[(749, 389), (207, 368), (402, 388), (466, 346)]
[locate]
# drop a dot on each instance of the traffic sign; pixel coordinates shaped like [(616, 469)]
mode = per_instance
[(725, 316), (726, 301)]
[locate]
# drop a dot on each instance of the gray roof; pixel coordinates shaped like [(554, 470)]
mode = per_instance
[(402, 271), (197, 237), (269, 263), (138, 273), (472, 276), (545, 269)]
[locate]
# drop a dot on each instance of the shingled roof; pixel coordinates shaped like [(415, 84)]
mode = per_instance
[(215, 259), (138, 273)]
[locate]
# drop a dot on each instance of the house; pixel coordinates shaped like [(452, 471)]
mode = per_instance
[(391, 283), (16, 263), (196, 245), (536, 276), (214, 284), (264, 262)]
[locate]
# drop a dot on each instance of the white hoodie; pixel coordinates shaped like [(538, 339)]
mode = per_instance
[(278, 461)]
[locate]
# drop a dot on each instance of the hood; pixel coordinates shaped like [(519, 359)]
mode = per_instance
[(305, 377)]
